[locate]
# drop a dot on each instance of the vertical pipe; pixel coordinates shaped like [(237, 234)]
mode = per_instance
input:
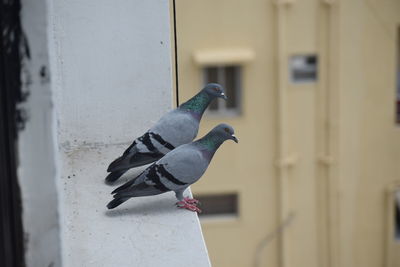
[(282, 130), (328, 137), (333, 133), (322, 133)]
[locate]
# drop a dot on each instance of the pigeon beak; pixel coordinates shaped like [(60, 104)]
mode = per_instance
[(224, 96), (234, 138)]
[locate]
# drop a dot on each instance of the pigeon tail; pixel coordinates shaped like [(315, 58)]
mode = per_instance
[(113, 176), (125, 185), (116, 202), (140, 190), (117, 163), (131, 161)]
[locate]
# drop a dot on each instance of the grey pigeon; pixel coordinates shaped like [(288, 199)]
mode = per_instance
[(175, 128), (176, 171)]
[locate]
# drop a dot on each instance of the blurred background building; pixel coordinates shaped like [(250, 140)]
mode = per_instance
[(314, 101), (314, 96)]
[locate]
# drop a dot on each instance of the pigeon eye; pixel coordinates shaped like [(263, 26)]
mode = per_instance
[(215, 88), (227, 130)]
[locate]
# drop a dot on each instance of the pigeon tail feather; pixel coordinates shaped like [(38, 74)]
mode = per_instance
[(116, 163), (140, 190), (125, 185), (113, 176), (126, 162), (116, 202)]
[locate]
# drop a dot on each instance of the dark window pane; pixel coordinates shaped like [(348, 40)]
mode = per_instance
[(232, 86), (211, 76), (218, 204)]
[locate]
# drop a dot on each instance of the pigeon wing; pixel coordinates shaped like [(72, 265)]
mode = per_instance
[(179, 168)]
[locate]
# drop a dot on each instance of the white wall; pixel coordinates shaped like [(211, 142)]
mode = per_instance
[(113, 68), (107, 79), (111, 64)]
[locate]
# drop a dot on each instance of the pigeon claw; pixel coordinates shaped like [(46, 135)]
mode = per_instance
[(190, 207), (185, 205), (191, 201)]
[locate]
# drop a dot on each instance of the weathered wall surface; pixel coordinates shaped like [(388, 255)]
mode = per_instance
[(113, 68), (112, 81), (37, 167), (99, 76)]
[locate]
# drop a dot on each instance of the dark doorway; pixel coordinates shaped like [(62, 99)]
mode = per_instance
[(11, 232)]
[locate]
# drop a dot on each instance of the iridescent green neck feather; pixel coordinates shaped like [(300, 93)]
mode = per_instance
[(198, 103), (211, 141)]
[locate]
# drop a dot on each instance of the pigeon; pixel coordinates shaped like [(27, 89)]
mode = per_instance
[(175, 128), (176, 171)]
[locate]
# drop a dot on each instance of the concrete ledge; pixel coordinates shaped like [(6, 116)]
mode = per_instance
[(148, 231)]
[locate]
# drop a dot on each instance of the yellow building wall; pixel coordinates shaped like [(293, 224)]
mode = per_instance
[(316, 162), (369, 140), (246, 168)]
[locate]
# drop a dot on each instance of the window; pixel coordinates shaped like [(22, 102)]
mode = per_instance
[(397, 102), (303, 68), (230, 78), (218, 204), (392, 257)]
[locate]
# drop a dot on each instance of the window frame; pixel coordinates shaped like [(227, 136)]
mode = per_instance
[(396, 217), (223, 110), (221, 216), (392, 244)]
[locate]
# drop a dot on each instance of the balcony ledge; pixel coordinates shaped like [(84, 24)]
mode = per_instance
[(147, 231)]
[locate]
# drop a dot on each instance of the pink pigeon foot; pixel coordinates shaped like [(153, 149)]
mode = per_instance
[(185, 205), (191, 201)]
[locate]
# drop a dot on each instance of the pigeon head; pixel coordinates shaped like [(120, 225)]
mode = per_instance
[(215, 90), (198, 103), (225, 132)]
